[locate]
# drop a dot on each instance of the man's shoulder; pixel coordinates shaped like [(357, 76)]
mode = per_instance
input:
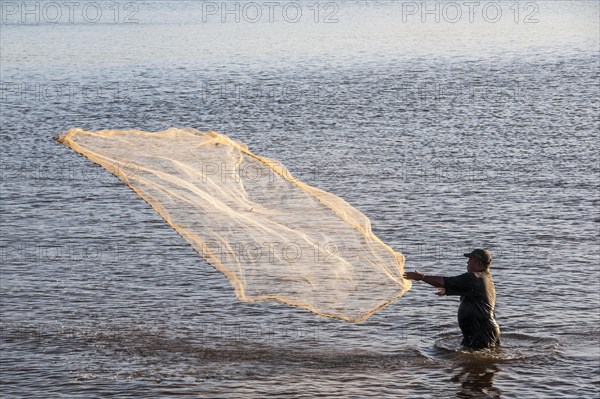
[(483, 274), (485, 279)]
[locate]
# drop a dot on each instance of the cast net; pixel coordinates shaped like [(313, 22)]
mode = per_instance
[(274, 237)]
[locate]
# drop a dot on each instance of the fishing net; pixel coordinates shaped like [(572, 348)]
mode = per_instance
[(274, 237)]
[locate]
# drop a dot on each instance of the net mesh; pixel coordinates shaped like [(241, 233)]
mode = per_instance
[(274, 237)]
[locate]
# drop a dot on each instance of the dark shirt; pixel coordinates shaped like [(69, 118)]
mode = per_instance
[(476, 316)]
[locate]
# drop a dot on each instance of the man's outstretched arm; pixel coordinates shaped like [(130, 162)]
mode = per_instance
[(436, 281)]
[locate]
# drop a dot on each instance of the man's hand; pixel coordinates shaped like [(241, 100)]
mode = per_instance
[(441, 292), (414, 275), (436, 281)]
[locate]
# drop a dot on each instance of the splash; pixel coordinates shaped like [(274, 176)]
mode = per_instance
[(274, 237)]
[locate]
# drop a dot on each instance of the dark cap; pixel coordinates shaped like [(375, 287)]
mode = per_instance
[(482, 254)]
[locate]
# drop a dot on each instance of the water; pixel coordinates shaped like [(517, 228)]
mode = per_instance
[(447, 135)]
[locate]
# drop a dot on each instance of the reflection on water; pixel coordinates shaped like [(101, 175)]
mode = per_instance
[(474, 371), (476, 380)]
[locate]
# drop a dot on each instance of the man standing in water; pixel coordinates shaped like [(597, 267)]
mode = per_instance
[(476, 316)]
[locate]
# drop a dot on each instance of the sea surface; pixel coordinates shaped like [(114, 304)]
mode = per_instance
[(450, 127)]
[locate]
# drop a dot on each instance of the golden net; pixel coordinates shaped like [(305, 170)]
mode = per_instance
[(274, 237)]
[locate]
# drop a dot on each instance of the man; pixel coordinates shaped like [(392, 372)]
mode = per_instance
[(476, 316)]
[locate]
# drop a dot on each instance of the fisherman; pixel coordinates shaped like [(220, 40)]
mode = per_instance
[(476, 316)]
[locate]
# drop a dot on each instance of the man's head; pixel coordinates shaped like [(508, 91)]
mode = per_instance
[(479, 260)]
